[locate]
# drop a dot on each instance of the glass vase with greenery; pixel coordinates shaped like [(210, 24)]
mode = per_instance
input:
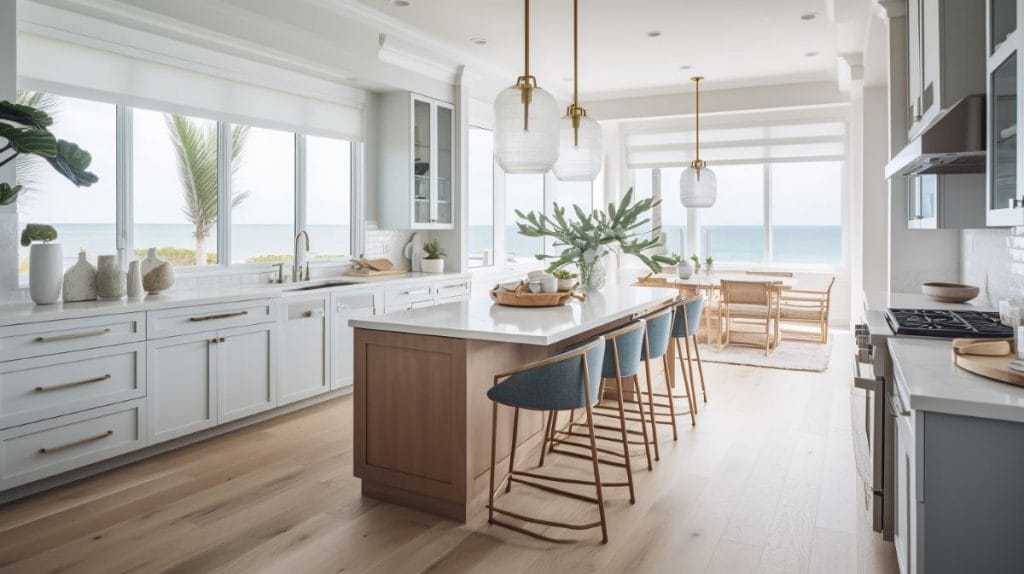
[(585, 240)]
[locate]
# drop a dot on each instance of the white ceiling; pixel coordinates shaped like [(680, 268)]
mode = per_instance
[(734, 43)]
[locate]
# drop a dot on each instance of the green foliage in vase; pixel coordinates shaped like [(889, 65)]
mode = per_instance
[(696, 262), (564, 274), (434, 250), (591, 235), (25, 131), (37, 232)]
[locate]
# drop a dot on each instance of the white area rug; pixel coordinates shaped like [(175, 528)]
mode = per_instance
[(790, 355)]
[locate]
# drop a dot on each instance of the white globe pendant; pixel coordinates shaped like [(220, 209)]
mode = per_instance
[(698, 187), (579, 152), (525, 137)]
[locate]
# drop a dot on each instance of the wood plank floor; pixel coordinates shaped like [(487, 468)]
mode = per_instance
[(766, 482)]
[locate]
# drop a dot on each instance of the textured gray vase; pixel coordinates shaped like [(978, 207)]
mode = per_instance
[(80, 280), (159, 278), (110, 281), (685, 269)]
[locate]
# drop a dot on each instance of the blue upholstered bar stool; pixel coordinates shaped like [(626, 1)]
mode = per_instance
[(684, 332), (563, 382), (657, 337)]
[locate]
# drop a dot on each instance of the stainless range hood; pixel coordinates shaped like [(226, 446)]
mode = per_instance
[(953, 143)]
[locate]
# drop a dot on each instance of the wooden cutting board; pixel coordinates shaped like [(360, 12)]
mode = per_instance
[(990, 359), (368, 272)]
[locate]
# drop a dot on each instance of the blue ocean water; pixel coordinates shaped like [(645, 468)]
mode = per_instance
[(797, 244)]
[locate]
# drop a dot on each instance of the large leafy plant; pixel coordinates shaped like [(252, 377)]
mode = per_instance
[(25, 131), (593, 235)]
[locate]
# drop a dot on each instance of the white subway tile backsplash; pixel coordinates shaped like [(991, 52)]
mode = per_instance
[(993, 259)]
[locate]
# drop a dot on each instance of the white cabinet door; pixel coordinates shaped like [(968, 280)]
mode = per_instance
[(247, 376), (182, 385), (305, 354), (347, 306)]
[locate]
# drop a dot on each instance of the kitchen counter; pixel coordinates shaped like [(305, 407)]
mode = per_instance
[(28, 312), (881, 300), (480, 319), (929, 381)]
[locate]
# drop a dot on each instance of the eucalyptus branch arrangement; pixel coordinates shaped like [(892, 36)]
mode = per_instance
[(590, 236), (25, 131)]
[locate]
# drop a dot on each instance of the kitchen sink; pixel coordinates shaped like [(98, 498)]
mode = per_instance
[(322, 286)]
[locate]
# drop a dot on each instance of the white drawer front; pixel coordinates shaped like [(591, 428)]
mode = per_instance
[(36, 389), (454, 290), (50, 337), (410, 297), (38, 450), (350, 302), (186, 320)]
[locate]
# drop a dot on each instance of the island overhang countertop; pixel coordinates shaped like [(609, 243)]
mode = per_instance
[(479, 318)]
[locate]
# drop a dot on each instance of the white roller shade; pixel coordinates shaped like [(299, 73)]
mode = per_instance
[(164, 74)]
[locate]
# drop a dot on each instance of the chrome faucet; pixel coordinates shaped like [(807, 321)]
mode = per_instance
[(301, 273)]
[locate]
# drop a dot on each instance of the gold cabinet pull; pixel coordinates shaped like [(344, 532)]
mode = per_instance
[(220, 316), (72, 384), (70, 336), (60, 447)]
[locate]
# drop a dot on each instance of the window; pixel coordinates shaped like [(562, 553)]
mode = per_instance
[(85, 218), (569, 193), (733, 229), (174, 172), (807, 213), (524, 192), (329, 197), (673, 214), (263, 196), (481, 198)]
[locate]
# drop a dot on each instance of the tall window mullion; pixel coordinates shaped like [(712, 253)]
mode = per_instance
[(300, 184), (125, 216), (224, 193), (769, 234)]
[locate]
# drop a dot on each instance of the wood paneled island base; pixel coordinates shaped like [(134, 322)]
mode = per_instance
[(423, 420)]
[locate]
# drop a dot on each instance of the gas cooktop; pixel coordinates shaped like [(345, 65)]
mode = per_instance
[(947, 324)]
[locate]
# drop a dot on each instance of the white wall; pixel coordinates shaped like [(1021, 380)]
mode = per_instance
[(8, 91)]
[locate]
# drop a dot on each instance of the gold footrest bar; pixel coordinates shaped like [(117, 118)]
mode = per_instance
[(554, 478), (543, 522), (585, 457), (557, 440), (522, 530), (554, 490)]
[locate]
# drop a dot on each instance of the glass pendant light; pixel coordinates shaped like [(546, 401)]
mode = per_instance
[(698, 186), (579, 149), (525, 122)]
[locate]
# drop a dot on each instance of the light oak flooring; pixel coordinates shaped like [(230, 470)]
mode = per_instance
[(766, 482)]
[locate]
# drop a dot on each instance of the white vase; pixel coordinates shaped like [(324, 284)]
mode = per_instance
[(110, 281), (135, 280), (46, 261), (151, 262), (432, 265), (80, 280), (566, 284), (684, 269)]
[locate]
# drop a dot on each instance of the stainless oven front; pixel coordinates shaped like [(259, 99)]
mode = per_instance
[(873, 430)]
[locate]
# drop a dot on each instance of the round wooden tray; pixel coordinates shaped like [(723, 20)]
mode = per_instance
[(988, 358), (528, 299)]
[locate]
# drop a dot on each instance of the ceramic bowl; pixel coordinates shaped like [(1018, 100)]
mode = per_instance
[(950, 292)]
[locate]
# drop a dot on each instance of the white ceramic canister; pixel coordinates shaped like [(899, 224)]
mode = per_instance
[(46, 263)]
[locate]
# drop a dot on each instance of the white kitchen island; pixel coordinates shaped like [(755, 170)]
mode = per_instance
[(421, 414)]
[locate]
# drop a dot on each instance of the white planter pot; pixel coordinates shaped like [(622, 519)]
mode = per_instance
[(45, 275), (566, 284), (432, 265)]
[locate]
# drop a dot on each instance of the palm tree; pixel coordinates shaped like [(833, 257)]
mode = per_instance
[(195, 147)]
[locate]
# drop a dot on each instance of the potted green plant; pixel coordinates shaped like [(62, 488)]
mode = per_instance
[(709, 264), (696, 263), (433, 261), (566, 279), (587, 238), (46, 263)]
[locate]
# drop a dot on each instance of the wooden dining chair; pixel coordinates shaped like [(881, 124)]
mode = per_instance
[(807, 307), (770, 273), (754, 303)]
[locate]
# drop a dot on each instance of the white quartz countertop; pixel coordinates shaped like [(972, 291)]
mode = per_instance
[(480, 318), (927, 377), (881, 300), (28, 312)]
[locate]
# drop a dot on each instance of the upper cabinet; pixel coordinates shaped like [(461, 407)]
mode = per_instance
[(946, 42), (1004, 189), (416, 163), (947, 201)]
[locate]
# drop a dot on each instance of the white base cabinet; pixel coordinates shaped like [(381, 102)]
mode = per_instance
[(345, 306), (182, 377), (247, 377), (305, 350)]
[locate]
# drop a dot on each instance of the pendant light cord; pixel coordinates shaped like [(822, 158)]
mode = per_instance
[(526, 44), (697, 112), (575, 73)]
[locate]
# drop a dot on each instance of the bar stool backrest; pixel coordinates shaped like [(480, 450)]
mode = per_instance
[(659, 332), (687, 316), (555, 383), (627, 343)]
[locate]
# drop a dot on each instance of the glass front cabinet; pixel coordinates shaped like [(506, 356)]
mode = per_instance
[(416, 162), (1004, 190)]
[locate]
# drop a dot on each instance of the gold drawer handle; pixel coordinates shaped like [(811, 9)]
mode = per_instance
[(58, 448), (221, 316), (70, 336), (72, 384)]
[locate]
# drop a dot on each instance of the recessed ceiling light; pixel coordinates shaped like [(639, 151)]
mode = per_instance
[(401, 3), (809, 16), (811, 54), (685, 67), (479, 41), (653, 34)]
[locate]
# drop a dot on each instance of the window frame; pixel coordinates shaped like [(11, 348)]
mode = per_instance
[(124, 223), (694, 224), (497, 238)]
